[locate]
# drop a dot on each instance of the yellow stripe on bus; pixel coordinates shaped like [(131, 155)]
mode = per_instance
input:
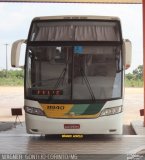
[(62, 111), (56, 110)]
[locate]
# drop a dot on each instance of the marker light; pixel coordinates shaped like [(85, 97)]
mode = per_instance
[(35, 111), (111, 111)]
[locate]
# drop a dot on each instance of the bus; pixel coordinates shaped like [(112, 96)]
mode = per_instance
[(74, 74)]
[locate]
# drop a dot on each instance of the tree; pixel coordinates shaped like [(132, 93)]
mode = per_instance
[(138, 72), (129, 76)]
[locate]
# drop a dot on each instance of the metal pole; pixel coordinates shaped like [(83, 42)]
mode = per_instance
[(6, 59), (144, 53)]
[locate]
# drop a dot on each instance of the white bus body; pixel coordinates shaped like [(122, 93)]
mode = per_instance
[(74, 75)]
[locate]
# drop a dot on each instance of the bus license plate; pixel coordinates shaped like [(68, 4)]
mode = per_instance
[(71, 126)]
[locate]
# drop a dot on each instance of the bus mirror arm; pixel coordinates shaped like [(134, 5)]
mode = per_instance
[(15, 53)]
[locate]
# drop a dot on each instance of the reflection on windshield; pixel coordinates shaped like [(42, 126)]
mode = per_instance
[(74, 72)]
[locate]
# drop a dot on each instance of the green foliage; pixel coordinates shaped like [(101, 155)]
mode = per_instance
[(138, 72), (133, 83), (135, 79), (11, 78)]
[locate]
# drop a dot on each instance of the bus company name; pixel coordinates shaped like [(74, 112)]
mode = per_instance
[(55, 107)]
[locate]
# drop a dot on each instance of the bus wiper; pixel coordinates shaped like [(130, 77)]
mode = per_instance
[(88, 84), (61, 78)]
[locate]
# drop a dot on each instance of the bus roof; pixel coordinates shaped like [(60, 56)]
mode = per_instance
[(75, 17)]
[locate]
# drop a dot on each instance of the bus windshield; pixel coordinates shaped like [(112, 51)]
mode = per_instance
[(73, 72), (74, 60)]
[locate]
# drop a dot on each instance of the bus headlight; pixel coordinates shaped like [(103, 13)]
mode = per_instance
[(111, 111), (35, 111)]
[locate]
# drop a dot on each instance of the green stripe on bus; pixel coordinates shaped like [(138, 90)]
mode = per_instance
[(93, 109), (79, 108)]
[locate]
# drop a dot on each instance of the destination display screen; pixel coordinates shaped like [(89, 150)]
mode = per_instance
[(47, 92)]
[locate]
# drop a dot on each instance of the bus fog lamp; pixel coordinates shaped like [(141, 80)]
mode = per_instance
[(111, 111)]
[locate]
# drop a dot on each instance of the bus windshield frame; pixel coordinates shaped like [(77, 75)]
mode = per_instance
[(72, 45)]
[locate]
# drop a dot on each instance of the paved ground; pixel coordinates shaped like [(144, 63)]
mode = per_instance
[(10, 97), (17, 141), (128, 130), (4, 126), (133, 102)]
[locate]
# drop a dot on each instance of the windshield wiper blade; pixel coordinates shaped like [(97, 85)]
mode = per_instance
[(88, 84), (61, 78)]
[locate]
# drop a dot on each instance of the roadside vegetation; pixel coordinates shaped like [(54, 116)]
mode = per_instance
[(16, 78), (12, 78), (135, 79)]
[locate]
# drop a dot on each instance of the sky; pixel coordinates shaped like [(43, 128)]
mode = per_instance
[(15, 19)]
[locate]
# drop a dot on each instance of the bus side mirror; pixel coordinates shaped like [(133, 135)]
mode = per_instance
[(15, 53), (127, 53)]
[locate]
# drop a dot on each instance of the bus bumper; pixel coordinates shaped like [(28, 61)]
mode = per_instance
[(102, 125)]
